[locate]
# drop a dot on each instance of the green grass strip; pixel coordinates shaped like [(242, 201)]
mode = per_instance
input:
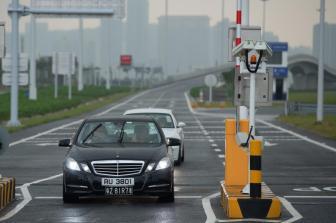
[(308, 122)]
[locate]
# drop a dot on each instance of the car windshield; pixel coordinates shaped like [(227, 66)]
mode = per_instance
[(113, 132), (164, 120)]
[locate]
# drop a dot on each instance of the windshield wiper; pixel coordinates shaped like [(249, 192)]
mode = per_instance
[(121, 136), (90, 134)]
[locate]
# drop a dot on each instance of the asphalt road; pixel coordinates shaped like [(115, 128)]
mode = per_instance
[(295, 166)]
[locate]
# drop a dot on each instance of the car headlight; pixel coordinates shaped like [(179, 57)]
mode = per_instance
[(163, 164), (150, 167), (71, 164), (85, 167)]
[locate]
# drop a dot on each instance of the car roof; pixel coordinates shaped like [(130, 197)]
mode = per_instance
[(120, 118), (149, 110)]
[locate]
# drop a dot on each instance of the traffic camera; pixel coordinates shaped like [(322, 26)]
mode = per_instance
[(252, 56)]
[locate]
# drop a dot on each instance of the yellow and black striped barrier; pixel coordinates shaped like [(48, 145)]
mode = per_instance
[(7, 191), (255, 168), (242, 167)]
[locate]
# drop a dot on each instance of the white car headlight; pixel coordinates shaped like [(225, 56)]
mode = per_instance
[(85, 167), (71, 164), (163, 164)]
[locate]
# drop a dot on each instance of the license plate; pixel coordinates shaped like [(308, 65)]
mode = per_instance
[(117, 182), (118, 191)]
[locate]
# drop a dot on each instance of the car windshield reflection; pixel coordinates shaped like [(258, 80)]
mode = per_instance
[(117, 132)]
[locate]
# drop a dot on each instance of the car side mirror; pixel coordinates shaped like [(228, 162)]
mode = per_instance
[(64, 143), (181, 124), (173, 142)]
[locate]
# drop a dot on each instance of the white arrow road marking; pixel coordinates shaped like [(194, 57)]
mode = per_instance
[(268, 144), (47, 144)]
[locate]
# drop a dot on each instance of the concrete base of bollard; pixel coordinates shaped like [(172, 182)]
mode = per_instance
[(239, 206)]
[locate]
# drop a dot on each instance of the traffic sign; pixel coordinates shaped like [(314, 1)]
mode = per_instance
[(125, 60), (7, 63), (7, 79), (63, 63), (210, 80), (2, 39), (71, 8)]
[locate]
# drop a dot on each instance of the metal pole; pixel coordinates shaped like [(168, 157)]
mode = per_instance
[(264, 19), (32, 81), (222, 35), (56, 76), (166, 37), (210, 94), (252, 101), (80, 57), (237, 42), (246, 12), (69, 77), (320, 84), (14, 121)]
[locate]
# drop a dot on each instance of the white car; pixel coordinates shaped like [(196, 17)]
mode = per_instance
[(169, 125)]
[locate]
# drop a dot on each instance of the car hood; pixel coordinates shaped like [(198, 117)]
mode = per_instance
[(171, 133), (88, 154)]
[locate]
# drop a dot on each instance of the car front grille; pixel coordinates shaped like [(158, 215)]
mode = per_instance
[(117, 167)]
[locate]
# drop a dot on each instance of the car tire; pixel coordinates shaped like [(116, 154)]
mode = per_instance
[(179, 159), (168, 197), (69, 197)]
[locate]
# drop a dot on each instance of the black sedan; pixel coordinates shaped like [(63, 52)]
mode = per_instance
[(122, 156)]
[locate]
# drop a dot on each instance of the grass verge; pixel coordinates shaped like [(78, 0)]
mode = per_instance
[(47, 109), (308, 122), (309, 97)]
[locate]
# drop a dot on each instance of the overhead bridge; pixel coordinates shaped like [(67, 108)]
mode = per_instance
[(304, 68)]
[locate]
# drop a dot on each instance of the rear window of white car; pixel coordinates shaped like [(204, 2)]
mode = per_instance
[(164, 120)]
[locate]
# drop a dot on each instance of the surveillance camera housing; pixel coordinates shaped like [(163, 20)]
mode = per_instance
[(248, 48)]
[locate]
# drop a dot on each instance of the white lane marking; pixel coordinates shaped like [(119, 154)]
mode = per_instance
[(158, 99), (221, 156), (211, 140), (47, 144), (188, 197), (311, 197), (218, 150), (45, 198), (323, 145), (26, 197), (211, 217), (214, 145), (269, 144), (296, 215), (75, 122)]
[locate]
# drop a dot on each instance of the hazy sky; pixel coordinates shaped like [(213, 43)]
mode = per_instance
[(291, 20)]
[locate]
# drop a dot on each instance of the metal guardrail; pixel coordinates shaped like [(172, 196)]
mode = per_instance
[(301, 108)]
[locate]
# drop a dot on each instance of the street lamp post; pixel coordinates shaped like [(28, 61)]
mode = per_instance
[(14, 119), (320, 83), (166, 37)]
